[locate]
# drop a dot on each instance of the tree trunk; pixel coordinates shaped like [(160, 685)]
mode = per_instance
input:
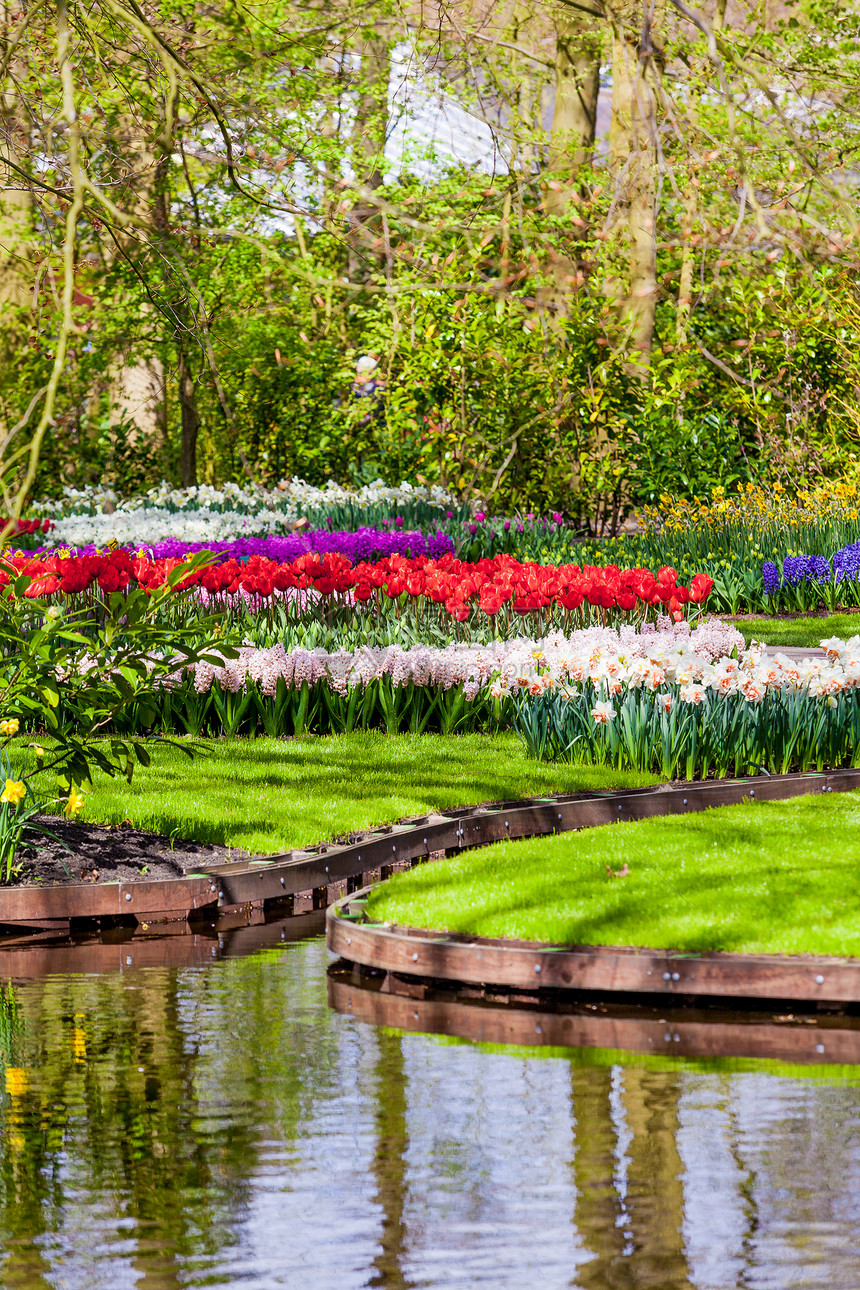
[(599, 1208), (633, 164), (655, 1187), (369, 135), (577, 84), (190, 422), (16, 202)]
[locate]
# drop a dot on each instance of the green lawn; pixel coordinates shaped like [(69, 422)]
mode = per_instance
[(269, 795), (800, 632), (734, 878)]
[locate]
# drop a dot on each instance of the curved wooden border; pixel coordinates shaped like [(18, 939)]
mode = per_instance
[(319, 869), (824, 1042), (595, 969)]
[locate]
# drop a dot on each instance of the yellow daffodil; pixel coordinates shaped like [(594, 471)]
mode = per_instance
[(9, 727), (74, 801), (14, 792)]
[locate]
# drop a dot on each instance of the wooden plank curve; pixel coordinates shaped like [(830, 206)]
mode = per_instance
[(273, 877), (605, 970)]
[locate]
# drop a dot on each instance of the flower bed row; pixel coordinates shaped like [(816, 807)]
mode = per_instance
[(282, 693), (672, 702), (686, 717), (730, 535), (27, 527), (99, 515), (364, 544), (682, 703), (460, 589)]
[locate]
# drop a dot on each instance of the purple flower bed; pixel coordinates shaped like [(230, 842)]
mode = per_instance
[(846, 563), (364, 544), (806, 579)]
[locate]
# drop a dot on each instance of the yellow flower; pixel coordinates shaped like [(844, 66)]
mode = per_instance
[(38, 750), (9, 727), (14, 792), (74, 802)]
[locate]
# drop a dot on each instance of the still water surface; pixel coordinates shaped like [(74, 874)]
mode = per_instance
[(215, 1123)]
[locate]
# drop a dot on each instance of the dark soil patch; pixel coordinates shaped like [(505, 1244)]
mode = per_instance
[(117, 853)]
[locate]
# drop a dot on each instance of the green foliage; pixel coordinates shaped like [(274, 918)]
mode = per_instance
[(74, 675), (482, 395), (17, 823), (499, 325), (723, 734), (312, 709)]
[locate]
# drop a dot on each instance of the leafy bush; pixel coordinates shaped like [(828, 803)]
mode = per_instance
[(72, 673)]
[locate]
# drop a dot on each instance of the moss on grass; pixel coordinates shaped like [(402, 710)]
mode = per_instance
[(755, 878), (269, 795)]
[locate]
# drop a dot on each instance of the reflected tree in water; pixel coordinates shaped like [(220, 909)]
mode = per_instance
[(114, 1094), (628, 1173), (389, 1161)]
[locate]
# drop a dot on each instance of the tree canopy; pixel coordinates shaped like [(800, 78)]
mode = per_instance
[(623, 264)]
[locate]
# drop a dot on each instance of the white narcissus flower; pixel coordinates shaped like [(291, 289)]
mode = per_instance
[(603, 713), (834, 647)]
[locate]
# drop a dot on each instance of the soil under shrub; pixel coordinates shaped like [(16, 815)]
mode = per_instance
[(109, 854)]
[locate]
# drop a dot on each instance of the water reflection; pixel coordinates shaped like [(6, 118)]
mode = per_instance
[(213, 1122)]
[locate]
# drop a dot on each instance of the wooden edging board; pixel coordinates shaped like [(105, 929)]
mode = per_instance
[(593, 969), (676, 1032), (320, 869)]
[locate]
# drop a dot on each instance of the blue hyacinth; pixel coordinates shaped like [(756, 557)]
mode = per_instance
[(805, 568), (846, 563), (770, 573), (797, 569)]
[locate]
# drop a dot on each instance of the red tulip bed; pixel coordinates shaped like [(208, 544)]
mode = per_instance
[(26, 528), (565, 595)]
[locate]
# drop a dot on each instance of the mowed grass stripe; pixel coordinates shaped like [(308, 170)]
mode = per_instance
[(269, 795), (798, 633), (776, 877)]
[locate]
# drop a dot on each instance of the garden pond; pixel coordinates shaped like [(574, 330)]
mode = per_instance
[(184, 1112)]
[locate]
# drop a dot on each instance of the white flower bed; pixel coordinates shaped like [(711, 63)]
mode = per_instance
[(145, 527), (509, 665), (98, 515), (655, 665)]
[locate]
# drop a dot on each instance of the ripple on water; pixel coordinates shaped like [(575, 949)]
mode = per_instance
[(219, 1125)]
